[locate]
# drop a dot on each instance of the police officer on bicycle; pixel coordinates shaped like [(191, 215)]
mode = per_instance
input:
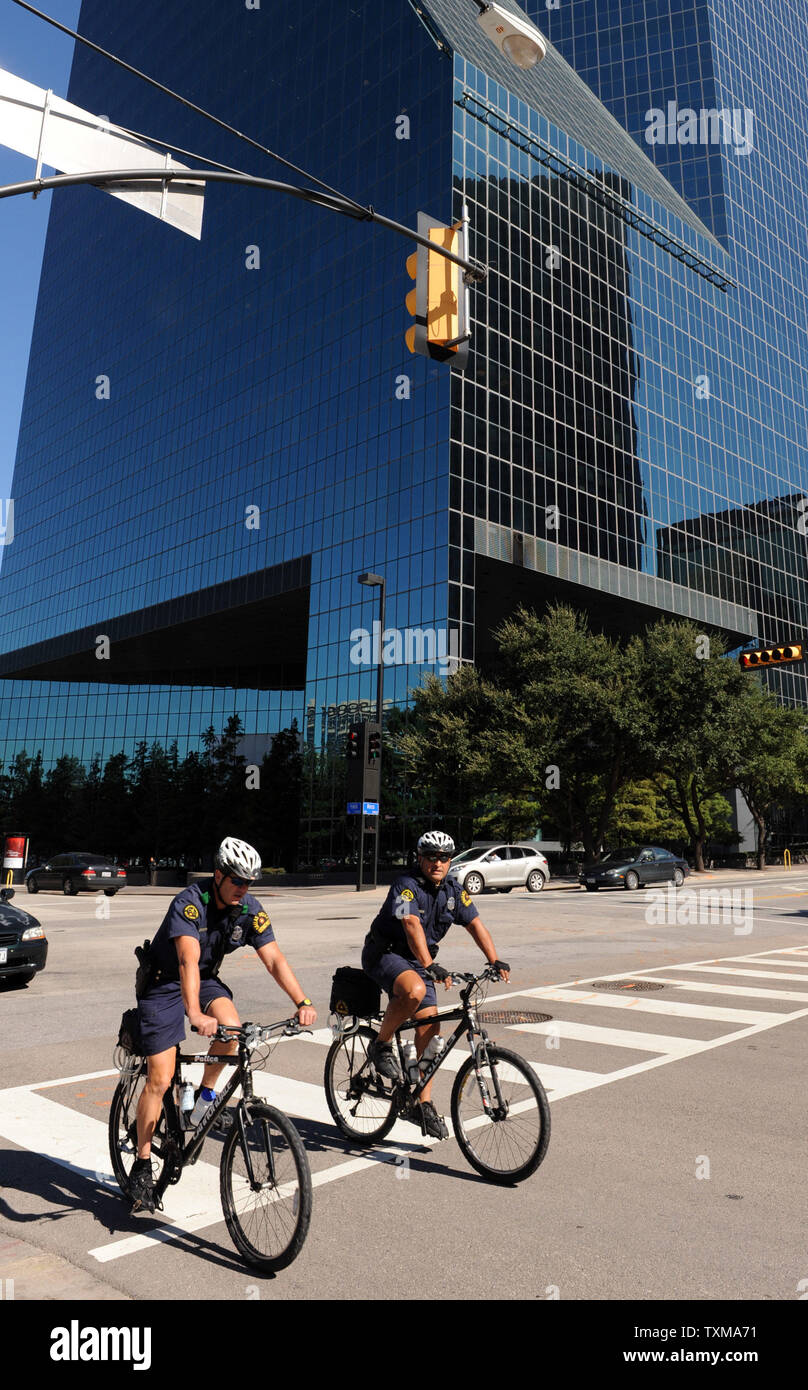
[(400, 949), (180, 975)]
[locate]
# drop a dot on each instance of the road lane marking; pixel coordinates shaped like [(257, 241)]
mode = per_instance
[(750, 974), (642, 1004), (614, 1037), (749, 991)]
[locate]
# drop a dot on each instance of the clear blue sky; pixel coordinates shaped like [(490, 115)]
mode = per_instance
[(31, 49)]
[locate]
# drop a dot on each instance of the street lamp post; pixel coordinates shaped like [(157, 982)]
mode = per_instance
[(376, 581)]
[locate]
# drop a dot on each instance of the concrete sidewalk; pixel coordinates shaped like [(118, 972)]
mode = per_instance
[(29, 1274)]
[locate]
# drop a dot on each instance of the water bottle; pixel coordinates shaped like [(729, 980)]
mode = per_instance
[(410, 1060), (203, 1104), (186, 1102), (432, 1050)]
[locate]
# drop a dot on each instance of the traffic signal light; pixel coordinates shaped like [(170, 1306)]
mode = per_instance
[(354, 745), (438, 301), (374, 745), (770, 656)]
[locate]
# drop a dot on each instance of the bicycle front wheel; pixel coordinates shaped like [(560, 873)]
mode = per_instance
[(360, 1101), (511, 1147), (123, 1133), (266, 1188)]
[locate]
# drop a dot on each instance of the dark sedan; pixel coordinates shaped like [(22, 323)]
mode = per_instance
[(23, 944), (628, 868), (77, 873)]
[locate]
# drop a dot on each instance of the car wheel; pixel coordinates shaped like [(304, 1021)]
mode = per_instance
[(110, 892), (678, 877), (632, 880), (474, 884), (32, 885), (535, 881), (591, 887), (68, 889)]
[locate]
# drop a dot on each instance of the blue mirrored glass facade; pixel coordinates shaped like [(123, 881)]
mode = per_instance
[(628, 435)]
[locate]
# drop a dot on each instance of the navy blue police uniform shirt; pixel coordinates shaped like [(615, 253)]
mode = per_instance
[(412, 896), (194, 913)]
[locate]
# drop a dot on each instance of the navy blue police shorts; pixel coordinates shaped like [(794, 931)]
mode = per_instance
[(385, 969), (162, 1013)]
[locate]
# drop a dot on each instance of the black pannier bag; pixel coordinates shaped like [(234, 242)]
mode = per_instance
[(129, 1033), (353, 992)]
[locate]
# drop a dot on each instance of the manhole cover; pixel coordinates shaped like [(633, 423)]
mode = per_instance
[(337, 919), (514, 1016), (637, 985)]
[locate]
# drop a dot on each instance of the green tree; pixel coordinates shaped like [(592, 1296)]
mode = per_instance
[(764, 751)]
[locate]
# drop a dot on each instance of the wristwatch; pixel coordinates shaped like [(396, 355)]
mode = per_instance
[(304, 1004)]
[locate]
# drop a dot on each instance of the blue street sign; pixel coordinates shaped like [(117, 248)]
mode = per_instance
[(354, 808), (371, 808)]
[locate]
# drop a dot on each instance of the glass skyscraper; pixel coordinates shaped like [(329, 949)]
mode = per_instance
[(629, 434)]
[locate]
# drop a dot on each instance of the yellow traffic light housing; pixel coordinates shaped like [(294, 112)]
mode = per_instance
[(770, 656), (439, 301)]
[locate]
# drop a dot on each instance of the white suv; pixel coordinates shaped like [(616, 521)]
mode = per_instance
[(501, 868)]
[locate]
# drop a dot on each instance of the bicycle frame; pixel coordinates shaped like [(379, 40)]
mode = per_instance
[(466, 1025), (190, 1147)]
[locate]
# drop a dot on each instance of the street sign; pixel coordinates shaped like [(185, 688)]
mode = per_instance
[(371, 808), (354, 808), (41, 125)]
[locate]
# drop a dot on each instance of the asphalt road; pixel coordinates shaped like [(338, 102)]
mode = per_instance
[(675, 1168)]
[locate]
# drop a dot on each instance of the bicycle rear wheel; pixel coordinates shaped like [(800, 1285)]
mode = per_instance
[(360, 1101), (268, 1217), (123, 1133), (508, 1149)]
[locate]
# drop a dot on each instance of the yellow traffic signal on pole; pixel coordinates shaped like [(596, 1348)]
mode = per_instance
[(411, 300), (438, 303), (770, 656)]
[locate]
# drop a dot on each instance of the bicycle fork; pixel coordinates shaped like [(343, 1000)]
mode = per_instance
[(498, 1110), (255, 1184)]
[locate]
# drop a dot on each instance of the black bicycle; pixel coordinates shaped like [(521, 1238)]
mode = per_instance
[(500, 1113), (264, 1175)]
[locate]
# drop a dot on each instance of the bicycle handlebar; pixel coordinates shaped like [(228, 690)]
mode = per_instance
[(470, 978), (254, 1033)]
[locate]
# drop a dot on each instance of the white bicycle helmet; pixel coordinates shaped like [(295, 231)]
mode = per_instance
[(239, 858), (436, 842)]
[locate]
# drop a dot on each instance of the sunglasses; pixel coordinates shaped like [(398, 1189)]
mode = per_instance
[(239, 882), (438, 858)]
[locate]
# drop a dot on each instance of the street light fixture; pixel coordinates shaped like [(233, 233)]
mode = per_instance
[(514, 35), (375, 581)]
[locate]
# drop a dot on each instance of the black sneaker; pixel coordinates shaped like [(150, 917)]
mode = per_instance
[(432, 1124), (141, 1189), (225, 1120), (382, 1056)]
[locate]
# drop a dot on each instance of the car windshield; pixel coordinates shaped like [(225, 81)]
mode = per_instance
[(621, 856), (467, 854)]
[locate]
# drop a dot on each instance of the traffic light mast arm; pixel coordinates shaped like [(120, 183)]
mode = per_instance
[(333, 202)]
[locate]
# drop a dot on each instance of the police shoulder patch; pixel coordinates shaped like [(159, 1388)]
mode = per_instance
[(261, 922), (407, 894), (465, 898), (191, 912)]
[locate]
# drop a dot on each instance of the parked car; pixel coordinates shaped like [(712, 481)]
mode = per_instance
[(23, 944), (500, 868), (628, 868), (76, 873)]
